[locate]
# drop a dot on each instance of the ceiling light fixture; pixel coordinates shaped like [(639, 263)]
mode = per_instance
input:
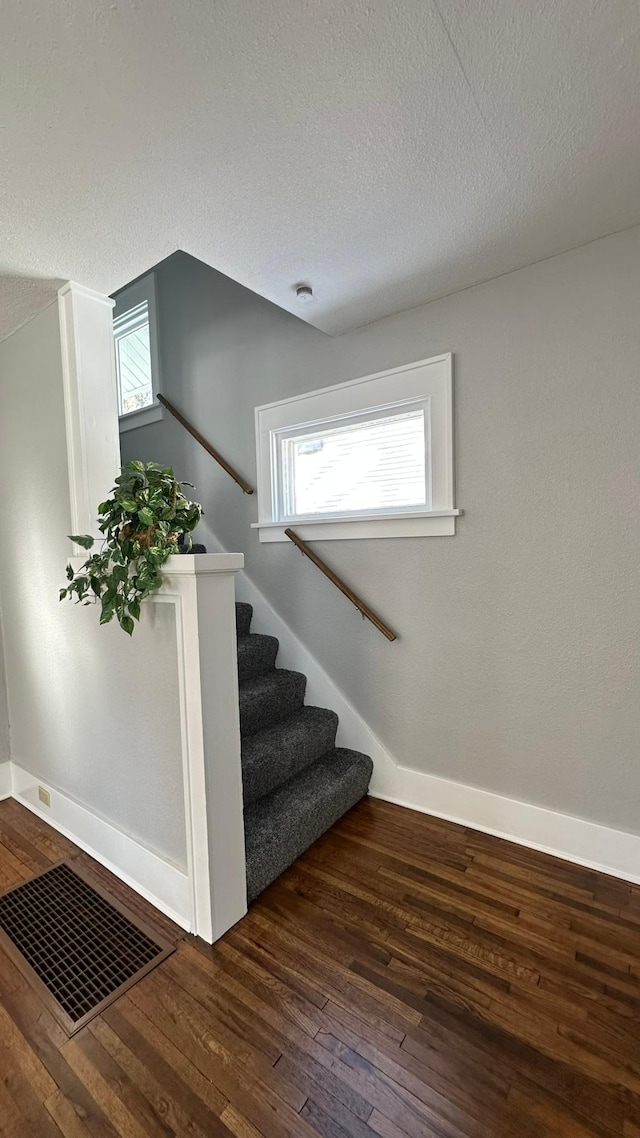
[(304, 293)]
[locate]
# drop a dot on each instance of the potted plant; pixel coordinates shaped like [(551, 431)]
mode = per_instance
[(142, 522)]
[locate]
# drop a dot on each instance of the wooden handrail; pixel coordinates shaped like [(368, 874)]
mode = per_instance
[(339, 584), (297, 541), (207, 446)]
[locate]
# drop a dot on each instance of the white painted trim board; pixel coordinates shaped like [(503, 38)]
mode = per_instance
[(158, 881), (615, 852)]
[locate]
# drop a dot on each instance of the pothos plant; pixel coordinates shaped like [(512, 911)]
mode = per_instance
[(142, 523)]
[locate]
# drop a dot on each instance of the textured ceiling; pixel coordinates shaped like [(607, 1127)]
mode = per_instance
[(387, 151)]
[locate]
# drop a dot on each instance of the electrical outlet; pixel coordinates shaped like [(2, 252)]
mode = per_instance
[(44, 796)]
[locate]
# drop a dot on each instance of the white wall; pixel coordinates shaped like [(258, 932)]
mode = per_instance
[(93, 713), (517, 669)]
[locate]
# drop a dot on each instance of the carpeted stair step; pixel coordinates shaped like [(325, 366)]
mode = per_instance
[(273, 756), (256, 655), (244, 612), (268, 699), (281, 826)]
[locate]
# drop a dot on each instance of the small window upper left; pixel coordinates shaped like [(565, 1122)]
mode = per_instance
[(135, 334)]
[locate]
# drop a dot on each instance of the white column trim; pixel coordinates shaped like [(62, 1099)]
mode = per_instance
[(90, 401)]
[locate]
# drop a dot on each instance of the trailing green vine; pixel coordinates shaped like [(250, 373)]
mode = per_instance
[(142, 523)]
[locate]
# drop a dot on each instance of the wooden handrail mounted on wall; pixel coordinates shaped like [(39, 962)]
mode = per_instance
[(339, 584), (297, 541), (207, 446)]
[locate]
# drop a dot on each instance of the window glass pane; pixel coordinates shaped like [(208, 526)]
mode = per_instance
[(133, 359), (379, 464)]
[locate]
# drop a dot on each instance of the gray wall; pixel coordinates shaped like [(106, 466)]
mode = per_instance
[(93, 713), (517, 667)]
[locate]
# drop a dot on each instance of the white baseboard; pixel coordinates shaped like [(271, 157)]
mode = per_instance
[(616, 852), (159, 882), (574, 839), (5, 780)]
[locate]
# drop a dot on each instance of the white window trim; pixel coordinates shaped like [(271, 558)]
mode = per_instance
[(129, 297), (427, 379)]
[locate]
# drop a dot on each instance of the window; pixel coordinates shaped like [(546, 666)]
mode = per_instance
[(136, 352), (368, 458), (374, 462)]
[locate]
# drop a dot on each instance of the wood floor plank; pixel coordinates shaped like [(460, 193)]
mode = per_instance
[(51, 844), (46, 1038), (66, 1117), (181, 1080), (14, 840), (178, 1018), (12, 1122), (407, 978), (237, 1124), (13, 871), (24, 1095), (15, 1046), (112, 1089)]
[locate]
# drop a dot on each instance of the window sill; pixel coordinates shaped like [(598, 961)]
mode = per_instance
[(432, 523), (141, 418)]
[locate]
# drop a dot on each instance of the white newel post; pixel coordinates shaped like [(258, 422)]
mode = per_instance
[(202, 589)]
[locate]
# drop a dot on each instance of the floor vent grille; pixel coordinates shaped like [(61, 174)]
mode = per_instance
[(79, 946)]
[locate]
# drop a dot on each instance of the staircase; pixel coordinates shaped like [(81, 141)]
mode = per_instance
[(296, 782)]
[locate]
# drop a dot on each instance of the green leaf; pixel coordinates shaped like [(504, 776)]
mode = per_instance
[(124, 571)]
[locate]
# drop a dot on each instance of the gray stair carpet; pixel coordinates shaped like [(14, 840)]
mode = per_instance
[(296, 782)]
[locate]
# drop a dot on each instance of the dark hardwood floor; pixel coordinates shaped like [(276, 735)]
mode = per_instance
[(406, 977)]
